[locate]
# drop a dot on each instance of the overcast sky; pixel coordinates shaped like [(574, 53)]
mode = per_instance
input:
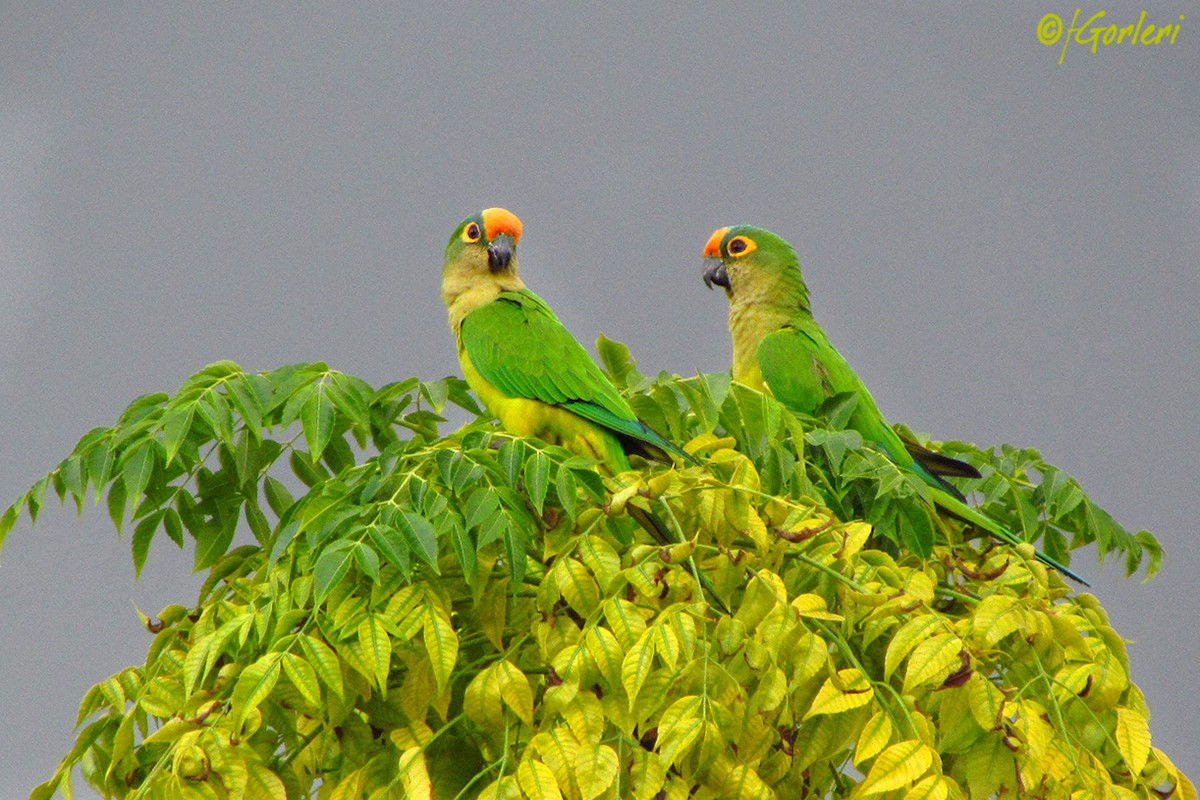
[(1007, 249)]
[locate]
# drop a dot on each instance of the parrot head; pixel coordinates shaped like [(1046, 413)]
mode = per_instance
[(481, 256), (486, 240), (754, 265)]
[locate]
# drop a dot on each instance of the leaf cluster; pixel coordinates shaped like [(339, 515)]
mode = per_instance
[(477, 615)]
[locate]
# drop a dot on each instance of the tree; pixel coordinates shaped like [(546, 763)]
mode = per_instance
[(476, 615)]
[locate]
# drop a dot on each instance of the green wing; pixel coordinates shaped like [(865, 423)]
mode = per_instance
[(519, 346), (803, 370)]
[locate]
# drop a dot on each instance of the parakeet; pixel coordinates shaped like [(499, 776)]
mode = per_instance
[(777, 345), (519, 359), (529, 371)]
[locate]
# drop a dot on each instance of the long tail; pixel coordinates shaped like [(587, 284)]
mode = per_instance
[(664, 536), (981, 520)]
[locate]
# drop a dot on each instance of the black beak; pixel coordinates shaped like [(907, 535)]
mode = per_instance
[(500, 252), (715, 273)]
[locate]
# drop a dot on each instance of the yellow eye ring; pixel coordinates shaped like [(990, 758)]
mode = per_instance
[(471, 233), (739, 246)]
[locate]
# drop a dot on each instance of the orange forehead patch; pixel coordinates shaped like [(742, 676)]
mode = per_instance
[(500, 220), (713, 248)]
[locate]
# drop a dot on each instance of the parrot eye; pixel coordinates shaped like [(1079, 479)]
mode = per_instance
[(740, 246), (471, 233)]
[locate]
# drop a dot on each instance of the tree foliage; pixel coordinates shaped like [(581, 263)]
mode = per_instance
[(476, 615)]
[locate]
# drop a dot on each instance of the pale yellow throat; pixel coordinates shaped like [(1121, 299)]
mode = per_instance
[(748, 325)]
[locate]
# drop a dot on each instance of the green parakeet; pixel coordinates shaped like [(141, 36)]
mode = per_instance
[(527, 369), (779, 347), (515, 354)]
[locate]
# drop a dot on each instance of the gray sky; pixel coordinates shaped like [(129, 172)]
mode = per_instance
[(1007, 249)]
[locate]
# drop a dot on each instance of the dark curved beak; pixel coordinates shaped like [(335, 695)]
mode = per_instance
[(500, 252), (714, 273)]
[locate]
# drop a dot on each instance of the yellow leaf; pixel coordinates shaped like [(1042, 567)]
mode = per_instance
[(557, 748), (909, 636), (586, 717), (376, 649), (996, 617), (324, 663), (302, 676), (931, 787), (515, 691), (896, 767), (986, 701), (623, 620), (636, 666), (503, 789), (262, 783), (414, 774), (493, 612), (537, 781), (1133, 738), (666, 641), (813, 606), (415, 734), (932, 660), (647, 774), (772, 689), (600, 558), (606, 653), (595, 769), (679, 728), (482, 702), (831, 699), (253, 686), (854, 536), (617, 504), (874, 737), (441, 643), (577, 586)]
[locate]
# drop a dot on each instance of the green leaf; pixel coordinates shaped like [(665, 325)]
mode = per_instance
[(916, 529), (537, 470), (257, 521), (212, 542), (278, 497), (215, 410), (1143, 538), (617, 361), (143, 534), (7, 520), (436, 393), (418, 533), (116, 504), (331, 567), (310, 474), (391, 545), (316, 417), (249, 404), (139, 466), (367, 560), (512, 454), (176, 424)]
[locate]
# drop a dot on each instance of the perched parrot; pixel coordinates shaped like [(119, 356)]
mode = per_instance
[(777, 345), (519, 359)]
